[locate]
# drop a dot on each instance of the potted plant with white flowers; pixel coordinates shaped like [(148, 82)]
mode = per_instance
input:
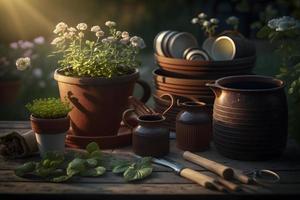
[(97, 76), (50, 122)]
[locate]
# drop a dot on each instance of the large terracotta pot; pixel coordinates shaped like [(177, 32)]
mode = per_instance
[(9, 91), (98, 103)]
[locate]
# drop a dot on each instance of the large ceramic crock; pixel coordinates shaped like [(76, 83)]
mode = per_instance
[(249, 117), (98, 103)]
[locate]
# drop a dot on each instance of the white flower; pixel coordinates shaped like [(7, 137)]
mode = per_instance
[(23, 63), (206, 23), (14, 45), (104, 40), (57, 40), (111, 39), (195, 20), (125, 34), (283, 23), (81, 26), (72, 29), (99, 34), (95, 29), (81, 34), (37, 72), (232, 20), (39, 40), (214, 21), (60, 27), (110, 24), (118, 33), (137, 42), (26, 45), (202, 15), (125, 40)]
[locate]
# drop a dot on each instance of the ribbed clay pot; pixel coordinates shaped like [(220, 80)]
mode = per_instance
[(98, 103), (50, 133), (249, 117), (193, 127)]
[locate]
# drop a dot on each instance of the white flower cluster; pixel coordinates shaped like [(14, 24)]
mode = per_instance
[(64, 32), (23, 63), (208, 25), (284, 23)]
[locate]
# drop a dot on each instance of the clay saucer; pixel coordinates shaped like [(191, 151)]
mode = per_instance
[(123, 138)]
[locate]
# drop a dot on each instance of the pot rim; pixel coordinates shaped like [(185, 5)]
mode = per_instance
[(162, 118), (279, 82), (194, 104), (33, 118), (226, 38), (95, 80)]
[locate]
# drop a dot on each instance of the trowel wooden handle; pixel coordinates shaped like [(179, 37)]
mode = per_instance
[(221, 170), (199, 178), (241, 177)]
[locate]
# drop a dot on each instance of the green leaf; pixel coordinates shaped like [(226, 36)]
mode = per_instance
[(91, 162), (96, 154), (75, 166), (25, 168), (264, 32), (97, 171), (137, 173), (44, 172), (121, 168), (59, 179), (91, 147)]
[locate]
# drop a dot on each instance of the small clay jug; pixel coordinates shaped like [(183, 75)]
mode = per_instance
[(150, 137), (193, 126)]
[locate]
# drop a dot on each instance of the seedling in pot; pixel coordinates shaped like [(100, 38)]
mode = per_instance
[(50, 122)]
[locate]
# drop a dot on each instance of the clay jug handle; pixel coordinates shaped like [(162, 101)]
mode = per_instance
[(125, 117), (171, 104), (146, 90), (214, 88)]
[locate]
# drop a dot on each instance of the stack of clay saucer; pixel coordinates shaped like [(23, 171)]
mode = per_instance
[(184, 69)]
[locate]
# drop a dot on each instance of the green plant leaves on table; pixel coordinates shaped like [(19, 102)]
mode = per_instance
[(55, 167)]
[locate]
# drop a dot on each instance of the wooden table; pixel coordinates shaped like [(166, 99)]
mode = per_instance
[(163, 183)]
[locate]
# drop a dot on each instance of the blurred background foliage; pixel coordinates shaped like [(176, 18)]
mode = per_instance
[(27, 19)]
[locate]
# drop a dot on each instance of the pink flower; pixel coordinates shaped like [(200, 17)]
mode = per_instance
[(39, 40), (14, 45)]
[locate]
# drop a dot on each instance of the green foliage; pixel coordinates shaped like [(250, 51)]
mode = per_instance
[(55, 167), (48, 108), (133, 171), (114, 55)]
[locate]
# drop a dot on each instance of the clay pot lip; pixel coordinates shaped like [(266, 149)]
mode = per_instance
[(256, 78), (160, 117), (194, 104), (37, 119), (95, 80)]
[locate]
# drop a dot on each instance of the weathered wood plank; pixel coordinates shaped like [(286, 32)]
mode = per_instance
[(287, 177), (108, 189), (14, 125)]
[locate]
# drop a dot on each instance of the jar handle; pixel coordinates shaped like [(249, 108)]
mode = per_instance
[(216, 89), (125, 117), (172, 102)]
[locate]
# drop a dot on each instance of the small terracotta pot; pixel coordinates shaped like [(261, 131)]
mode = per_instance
[(193, 127), (50, 133), (98, 103), (9, 91)]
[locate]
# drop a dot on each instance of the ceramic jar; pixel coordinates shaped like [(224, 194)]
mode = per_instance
[(150, 137), (250, 117), (193, 127), (50, 133)]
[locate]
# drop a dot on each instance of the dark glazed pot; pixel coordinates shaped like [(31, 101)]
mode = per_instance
[(250, 117), (193, 127), (98, 102)]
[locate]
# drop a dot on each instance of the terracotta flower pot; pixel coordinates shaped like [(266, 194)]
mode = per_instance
[(50, 133), (9, 91), (98, 103)]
